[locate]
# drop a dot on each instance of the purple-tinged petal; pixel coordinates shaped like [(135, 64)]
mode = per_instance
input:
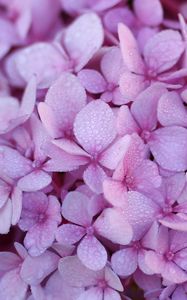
[(16, 198), (163, 50), (12, 287), (81, 47), (115, 153), (69, 234), (125, 121), (92, 81), (112, 225), (94, 127), (124, 262), (5, 217), (94, 176), (149, 12), (171, 110), (131, 84), (168, 146), (113, 280), (110, 294), (115, 192), (35, 269), (66, 97), (148, 99), (40, 59), (94, 293), (129, 49), (92, 253), (75, 209), (39, 179)]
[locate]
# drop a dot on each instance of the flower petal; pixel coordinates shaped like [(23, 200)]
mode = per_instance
[(69, 234), (124, 262), (168, 146), (94, 126), (92, 253), (149, 13), (81, 47), (112, 225), (92, 81)]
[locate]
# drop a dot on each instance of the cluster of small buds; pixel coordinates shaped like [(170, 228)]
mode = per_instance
[(93, 150)]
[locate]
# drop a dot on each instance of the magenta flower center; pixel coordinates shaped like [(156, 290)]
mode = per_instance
[(90, 230), (169, 255)]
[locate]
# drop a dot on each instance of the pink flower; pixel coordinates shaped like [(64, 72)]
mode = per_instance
[(48, 60), (168, 256), (167, 144), (98, 284), (107, 81), (161, 53), (94, 129), (17, 272), (40, 217), (134, 172), (78, 209)]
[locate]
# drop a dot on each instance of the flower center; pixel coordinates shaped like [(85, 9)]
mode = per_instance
[(90, 230), (145, 135), (169, 255), (102, 284), (110, 87), (136, 245)]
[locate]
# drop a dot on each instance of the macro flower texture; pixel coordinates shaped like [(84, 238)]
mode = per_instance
[(93, 150)]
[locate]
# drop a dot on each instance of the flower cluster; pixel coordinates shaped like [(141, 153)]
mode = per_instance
[(93, 150)]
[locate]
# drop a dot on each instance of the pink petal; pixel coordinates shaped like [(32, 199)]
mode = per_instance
[(48, 119), (16, 205), (129, 49), (110, 294), (112, 225), (81, 47), (115, 192), (163, 50), (92, 253), (61, 161), (76, 274), (40, 237), (40, 59), (12, 286), (5, 217), (92, 81), (125, 121), (69, 234), (66, 97), (173, 273), (171, 110), (142, 263), (9, 158), (146, 176), (113, 280), (94, 126), (71, 147), (35, 269), (168, 146), (124, 262), (33, 205), (104, 4), (175, 222), (147, 117), (155, 262), (118, 15), (75, 208), (94, 176), (131, 84), (8, 261), (112, 65), (28, 99), (39, 179), (115, 153), (5, 190), (149, 13), (179, 293), (140, 212), (94, 293)]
